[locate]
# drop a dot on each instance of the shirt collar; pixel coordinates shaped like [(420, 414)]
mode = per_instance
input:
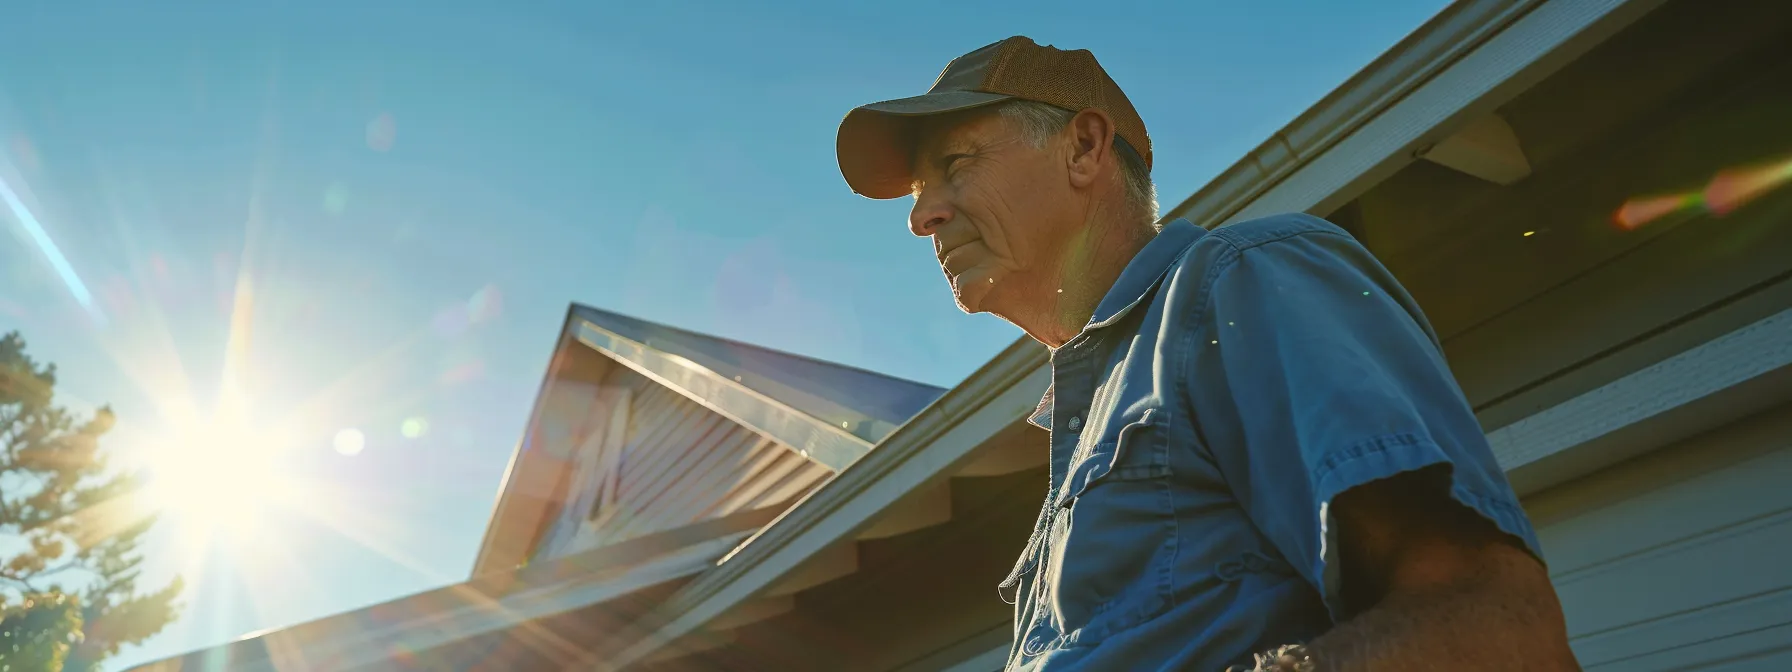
[(1042, 414), (1143, 272), (1135, 282)]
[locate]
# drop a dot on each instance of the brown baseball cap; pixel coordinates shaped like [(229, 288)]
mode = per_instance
[(876, 141)]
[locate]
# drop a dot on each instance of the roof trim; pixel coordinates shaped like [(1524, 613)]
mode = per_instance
[(833, 447), (1718, 381), (503, 506), (512, 611), (578, 308), (1472, 57)]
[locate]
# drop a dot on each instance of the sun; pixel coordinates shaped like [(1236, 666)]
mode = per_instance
[(219, 478)]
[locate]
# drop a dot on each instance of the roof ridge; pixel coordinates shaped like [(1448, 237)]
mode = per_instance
[(577, 306)]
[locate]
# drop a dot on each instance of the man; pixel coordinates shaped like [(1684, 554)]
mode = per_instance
[(1259, 457)]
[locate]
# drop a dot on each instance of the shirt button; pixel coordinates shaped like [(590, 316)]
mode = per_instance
[(1075, 424)]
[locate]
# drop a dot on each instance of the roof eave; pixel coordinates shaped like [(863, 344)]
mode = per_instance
[(1449, 70)]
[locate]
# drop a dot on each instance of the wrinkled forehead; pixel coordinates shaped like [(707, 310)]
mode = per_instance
[(957, 133)]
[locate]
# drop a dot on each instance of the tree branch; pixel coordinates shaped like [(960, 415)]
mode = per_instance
[(22, 582), (72, 563)]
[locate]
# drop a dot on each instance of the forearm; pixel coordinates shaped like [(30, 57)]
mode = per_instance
[(1477, 625), (1433, 585)]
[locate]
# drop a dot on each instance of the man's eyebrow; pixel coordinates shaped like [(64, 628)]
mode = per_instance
[(940, 155)]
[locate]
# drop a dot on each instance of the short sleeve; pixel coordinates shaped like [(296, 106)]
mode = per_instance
[(1312, 372)]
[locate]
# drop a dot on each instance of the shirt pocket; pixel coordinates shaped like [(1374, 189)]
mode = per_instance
[(1114, 543)]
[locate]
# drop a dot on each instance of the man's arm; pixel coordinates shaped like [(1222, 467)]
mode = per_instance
[(1432, 585), (1326, 401)]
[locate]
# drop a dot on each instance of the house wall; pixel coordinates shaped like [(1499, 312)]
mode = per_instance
[(1677, 560)]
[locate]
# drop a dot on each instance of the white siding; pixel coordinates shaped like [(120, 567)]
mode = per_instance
[(1683, 559)]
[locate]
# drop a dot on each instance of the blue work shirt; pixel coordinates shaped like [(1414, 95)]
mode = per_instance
[(1227, 388)]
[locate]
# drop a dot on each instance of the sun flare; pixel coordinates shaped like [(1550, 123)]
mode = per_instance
[(219, 478)]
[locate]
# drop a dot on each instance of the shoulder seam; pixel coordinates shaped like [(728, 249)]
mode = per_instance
[(1225, 260), (1242, 245), (1190, 339)]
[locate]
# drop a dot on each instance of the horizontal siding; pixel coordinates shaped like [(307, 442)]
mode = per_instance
[(1679, 560), (680, 464)]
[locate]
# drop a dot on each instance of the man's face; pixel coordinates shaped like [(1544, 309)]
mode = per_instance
[(1000, 212)]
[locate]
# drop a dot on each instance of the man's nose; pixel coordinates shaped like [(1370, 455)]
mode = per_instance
[(928, 215)]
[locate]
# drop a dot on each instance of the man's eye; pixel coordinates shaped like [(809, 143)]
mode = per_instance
[(950, 162)]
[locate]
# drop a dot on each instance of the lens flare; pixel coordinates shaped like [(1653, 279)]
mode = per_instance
[(464, 372), (382, 133), (25, 152), (53, 254), (1731, 189), (1728, 190), (483, 306), (335, 199), (350, 441), (1639, 211)]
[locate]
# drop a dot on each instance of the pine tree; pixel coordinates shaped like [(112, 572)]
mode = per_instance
[(69, 532), (36, 633)]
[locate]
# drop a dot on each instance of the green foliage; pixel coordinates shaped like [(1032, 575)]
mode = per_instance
[(38, 633), (65, 515)]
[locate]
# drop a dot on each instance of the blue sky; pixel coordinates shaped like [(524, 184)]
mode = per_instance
[(398, 200)]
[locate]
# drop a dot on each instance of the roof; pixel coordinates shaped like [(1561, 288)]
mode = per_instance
[(829, 413), (416, 624), (828, 391), (456, 613)]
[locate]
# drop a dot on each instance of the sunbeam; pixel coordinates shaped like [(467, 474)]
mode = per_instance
[(326, 509), (145, 352), (362, 387)]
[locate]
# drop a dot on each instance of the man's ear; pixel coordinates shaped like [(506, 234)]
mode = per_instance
[(1092, 146)]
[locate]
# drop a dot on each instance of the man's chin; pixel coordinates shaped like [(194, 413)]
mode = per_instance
[(967, 308), (972, 298)]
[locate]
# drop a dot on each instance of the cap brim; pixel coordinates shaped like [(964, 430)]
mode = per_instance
[(876, 140)]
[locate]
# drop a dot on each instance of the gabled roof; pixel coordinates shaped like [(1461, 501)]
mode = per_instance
[(829, 413), (831, 392)]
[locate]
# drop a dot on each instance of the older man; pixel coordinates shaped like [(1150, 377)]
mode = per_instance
[(1259, 457)]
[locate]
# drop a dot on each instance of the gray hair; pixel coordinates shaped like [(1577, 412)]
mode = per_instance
[(1038, 122)]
